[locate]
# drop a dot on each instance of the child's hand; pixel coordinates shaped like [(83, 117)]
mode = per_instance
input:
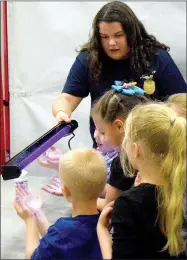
[(54, 187), (34, 203), (52, 158), (23, 212), (105, 217)]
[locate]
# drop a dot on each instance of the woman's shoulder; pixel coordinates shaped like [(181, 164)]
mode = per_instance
[(162, 57), (161, 60), (83, 57), (162, 52)]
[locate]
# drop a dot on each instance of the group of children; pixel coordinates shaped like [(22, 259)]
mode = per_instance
[(136, 178)]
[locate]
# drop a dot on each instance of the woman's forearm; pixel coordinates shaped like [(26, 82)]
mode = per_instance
[(66, 103)]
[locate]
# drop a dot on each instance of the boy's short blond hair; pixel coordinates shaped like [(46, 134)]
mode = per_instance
[(178, 103), (83, 171)]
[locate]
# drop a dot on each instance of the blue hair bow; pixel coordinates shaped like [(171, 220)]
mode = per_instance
[(129, 90)]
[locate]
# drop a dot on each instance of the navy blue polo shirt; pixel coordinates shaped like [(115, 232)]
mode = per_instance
[(79, 83)]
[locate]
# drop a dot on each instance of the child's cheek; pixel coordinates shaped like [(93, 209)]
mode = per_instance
[(102, 138)]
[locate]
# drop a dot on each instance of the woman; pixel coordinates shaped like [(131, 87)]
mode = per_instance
[(118, 49)]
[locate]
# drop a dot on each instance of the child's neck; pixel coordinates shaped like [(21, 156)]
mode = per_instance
[(84, 208), (149, 174)]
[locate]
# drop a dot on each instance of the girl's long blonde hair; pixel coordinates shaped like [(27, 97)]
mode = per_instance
[(164, 137)]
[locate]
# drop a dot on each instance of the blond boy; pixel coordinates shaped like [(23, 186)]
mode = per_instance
[(83, 177)]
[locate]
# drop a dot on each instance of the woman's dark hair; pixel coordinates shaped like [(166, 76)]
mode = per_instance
[(142, 45)]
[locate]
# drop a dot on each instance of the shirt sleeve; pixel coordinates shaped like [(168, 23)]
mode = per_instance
[(124, 230), (109, 157), (77, 82), (48, 246), (168, 77), (117, 177)]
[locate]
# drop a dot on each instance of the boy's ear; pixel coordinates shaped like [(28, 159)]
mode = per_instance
[(119, 124), (66, 192)]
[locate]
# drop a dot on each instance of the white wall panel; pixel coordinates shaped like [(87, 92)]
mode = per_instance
[(43, 37)]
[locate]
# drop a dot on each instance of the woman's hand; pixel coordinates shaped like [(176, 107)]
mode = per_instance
[(62, 116), (54, 187), (52, 158)]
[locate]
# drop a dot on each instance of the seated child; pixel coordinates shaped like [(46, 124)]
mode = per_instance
[(109, 114), (83, 176)]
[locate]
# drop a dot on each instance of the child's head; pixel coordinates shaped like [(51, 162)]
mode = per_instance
[(155, 136), (109, 114), (178, 103), (83, 174)]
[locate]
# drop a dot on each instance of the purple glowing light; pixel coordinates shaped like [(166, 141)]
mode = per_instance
[(12, 169)]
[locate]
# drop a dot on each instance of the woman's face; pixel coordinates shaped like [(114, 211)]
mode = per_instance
[(113, 40)]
